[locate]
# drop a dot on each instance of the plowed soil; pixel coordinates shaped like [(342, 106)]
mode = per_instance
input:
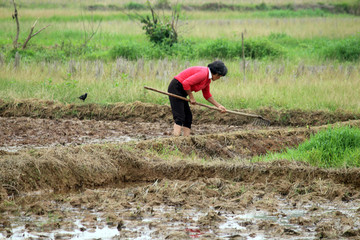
[(115, 172)]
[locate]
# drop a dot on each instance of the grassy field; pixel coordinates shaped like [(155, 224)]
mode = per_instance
[(307, 59)]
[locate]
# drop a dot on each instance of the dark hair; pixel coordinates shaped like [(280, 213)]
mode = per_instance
[(218, 67)]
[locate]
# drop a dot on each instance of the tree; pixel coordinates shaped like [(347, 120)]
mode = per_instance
[(90, 28), (31, 35)]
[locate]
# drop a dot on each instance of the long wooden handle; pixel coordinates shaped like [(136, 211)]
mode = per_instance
[(204, 105)]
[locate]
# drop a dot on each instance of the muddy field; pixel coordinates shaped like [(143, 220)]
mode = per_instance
[(115, 172)]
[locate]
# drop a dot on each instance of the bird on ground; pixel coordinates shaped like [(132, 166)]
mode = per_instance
[(83, 97)]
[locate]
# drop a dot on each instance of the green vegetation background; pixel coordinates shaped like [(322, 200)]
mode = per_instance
[(282, 71)]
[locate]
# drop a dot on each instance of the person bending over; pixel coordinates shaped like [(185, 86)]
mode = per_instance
[(190, 80)]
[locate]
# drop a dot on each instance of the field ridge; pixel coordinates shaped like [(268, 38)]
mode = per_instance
[(143, 111)]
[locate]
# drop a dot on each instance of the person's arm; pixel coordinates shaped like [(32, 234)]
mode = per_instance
[(191, 96), (216, 104)]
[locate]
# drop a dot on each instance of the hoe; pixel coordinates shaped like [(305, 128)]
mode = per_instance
[(259, 120)]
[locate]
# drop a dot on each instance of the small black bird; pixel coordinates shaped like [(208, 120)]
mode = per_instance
[(83, 97)]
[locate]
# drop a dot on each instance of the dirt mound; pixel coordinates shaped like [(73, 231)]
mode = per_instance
[(244, 144), (73, 168), (153, 113), (50, 109)]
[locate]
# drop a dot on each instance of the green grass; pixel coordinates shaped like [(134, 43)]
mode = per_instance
[(335, 147), (109, 47), (269, 83), (294, 59)]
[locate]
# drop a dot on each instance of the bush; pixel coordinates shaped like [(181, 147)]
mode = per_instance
[(23, 53), (260, 48), (342, 8), (255, 49), (185, 49), (219, 48), (126, 50), (343, 50), (262, 7), (158, 32), (135, 6), (160, 29)]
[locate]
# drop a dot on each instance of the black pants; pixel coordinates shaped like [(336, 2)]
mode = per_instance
[(180, 109)]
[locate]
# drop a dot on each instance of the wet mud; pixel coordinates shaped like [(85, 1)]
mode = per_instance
[(115, 172)]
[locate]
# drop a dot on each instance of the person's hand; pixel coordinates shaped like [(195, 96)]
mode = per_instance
[(222, 109), (192, 100)]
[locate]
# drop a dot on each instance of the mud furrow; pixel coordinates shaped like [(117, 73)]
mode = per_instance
[(148, 112), (65, 169)]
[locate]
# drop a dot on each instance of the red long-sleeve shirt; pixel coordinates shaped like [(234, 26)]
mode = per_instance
[(196, 79)]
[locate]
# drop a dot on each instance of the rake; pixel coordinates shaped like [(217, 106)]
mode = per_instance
[(259, 120)]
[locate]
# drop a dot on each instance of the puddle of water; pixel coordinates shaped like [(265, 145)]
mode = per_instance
[(169, 219), (98, 233), (142, 226)]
